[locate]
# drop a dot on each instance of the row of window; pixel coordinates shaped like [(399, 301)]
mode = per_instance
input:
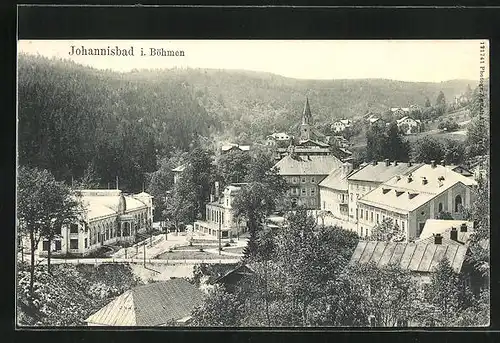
[(351, 196), (215, 216), (303, 179), (303, 191), (139, 218), (396, 221), (304, 202)]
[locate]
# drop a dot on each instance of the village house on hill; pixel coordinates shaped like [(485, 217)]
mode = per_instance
[(409, 125), (162, 303), (341, 125), (110, 216), (413, 196)]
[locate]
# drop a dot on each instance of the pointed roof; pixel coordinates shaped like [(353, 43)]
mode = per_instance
[(150, 305), (306, 114)]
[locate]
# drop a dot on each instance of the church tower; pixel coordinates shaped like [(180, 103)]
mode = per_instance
[(305, 128)]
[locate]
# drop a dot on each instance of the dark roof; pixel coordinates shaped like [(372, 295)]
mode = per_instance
[(311, 165), (380, 172), (416, 257), (240, 270), (150, 305)]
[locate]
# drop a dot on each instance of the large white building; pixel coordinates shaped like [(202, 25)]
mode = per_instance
[(220, 215), (369, 177), (110, 216), (411, 197), (333, 192)]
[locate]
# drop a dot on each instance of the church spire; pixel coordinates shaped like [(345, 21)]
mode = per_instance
[(306, 114)]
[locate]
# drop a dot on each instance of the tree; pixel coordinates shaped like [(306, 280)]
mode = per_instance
[(448, 294), (441, 103), (181, 205), (386, 231), (427, 149), (478, 137), (43, 206), (427, 102), (67, 209), (161, 181), (90, 179), (306, 262), (449, 125), (233, 166), (385, 143), (445, 216), (259, 197), (219, 308), (389, 293), (454, 151)]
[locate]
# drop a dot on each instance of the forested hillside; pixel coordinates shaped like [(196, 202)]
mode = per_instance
[(71, 116)]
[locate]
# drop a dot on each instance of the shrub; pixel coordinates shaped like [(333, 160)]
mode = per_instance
[(201, 250), (231, 240), (227, 245)]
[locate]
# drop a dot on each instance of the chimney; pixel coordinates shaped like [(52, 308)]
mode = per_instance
[(395, 163), (433, 164), (387, 162), (216, 186), (463, 227), (438, 239), (424, 180), (374, 163), (409, 163), (410, 178), (454, 234), (443, 163)]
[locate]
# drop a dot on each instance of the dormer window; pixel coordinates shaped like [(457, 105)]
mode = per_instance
[(398, 193), (385, 190), (412, 195)]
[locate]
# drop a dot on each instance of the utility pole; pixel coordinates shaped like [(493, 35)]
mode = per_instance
[(238, 228), (220, 236), (144, 255), (116, 181)]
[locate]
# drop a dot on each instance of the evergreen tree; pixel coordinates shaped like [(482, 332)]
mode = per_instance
[(427, 102)]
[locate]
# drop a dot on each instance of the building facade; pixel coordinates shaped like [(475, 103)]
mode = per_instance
[(411, 198), (334, 195), (110, 217), (411, 125), (303, 175), (369, 177), (220, 218)]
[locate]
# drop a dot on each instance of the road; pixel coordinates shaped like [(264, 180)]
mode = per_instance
[(135, 261)]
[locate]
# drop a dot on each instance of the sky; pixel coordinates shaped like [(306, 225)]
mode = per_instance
[(403, 60)]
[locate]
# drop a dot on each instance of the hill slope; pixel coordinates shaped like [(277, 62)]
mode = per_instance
[(71, 115)]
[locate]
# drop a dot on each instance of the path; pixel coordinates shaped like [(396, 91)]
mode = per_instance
[(135, 261)]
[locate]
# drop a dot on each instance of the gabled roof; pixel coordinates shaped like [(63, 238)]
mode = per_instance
[(416, 257), (241, 270), (150, 305), (394, 194), (443, 227), (336, 180), (308, 165), (380, 172), (313, 142), (230, 146)]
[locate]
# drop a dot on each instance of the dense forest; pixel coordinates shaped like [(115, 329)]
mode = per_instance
[(73, 117)]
